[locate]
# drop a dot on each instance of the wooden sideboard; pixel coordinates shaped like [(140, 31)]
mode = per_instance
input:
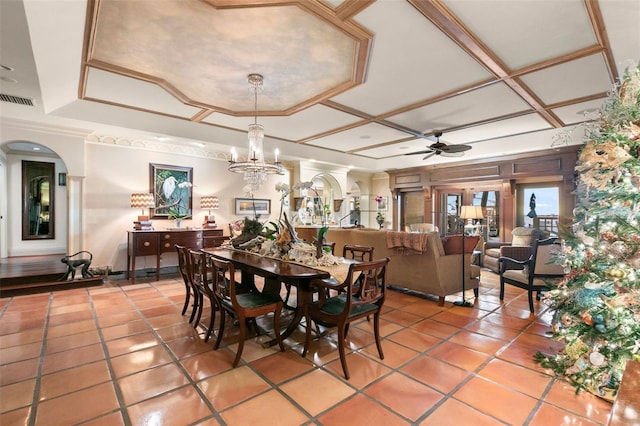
[(156, 242)]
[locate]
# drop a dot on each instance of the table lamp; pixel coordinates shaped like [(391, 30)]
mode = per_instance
[(142, 201), (209, 202), (467, 212)]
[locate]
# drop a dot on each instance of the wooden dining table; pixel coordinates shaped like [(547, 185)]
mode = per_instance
[(275, 272)]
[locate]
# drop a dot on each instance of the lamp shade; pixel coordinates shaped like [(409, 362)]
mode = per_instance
[(142, 200), (209, 202), (471, 212)]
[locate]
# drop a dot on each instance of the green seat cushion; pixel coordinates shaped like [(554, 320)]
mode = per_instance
[(335, 305), (253, 300)]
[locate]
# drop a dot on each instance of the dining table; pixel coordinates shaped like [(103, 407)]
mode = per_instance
[(276, 272)]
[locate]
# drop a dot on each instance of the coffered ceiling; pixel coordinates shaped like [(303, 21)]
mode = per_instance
[(353, 82)]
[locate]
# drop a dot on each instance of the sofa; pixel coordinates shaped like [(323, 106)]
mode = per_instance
[(432, 272)]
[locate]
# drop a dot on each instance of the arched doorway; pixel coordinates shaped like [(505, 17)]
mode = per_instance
[(16, 208)]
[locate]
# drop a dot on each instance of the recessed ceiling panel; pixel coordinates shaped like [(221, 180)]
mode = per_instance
[(400, 148), (411, 60), (622, 20), (526, 32), (311, 121), (123, 90), (512, 126), (571, 80), (207, 53), (358, 137), (491, 101), (577, 113)]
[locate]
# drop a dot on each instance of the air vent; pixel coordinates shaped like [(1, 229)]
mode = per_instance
[(16, 100)]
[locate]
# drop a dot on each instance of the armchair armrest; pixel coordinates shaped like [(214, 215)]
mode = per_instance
[(494, 244), (509, 263), (520, 253)]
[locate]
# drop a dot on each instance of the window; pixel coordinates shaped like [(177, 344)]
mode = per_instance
[(539, 206)]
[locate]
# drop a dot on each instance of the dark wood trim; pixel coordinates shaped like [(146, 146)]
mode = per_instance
[(553, 165)]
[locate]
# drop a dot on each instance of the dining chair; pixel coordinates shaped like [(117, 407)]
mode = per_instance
[(183, 267), (331, 246), (241, 305), (349, 305), (357, 252), (535, 273), (201, 279), (327, 246)]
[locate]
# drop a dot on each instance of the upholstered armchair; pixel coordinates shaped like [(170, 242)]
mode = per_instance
[(536, 272), (519, 248)]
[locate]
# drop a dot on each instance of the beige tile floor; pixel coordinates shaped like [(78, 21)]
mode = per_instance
[(123, 354)]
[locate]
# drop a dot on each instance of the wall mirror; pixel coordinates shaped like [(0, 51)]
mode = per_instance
[(38, 189)]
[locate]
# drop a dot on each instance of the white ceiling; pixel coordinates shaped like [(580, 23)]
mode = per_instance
[(350, 83)]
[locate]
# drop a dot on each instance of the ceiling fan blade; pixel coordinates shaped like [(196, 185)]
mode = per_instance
[(452, 154), (455, 148), (428, 151), (430, 155)]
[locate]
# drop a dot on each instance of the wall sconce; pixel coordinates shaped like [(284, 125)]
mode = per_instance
[(209, 202), (142, 201)]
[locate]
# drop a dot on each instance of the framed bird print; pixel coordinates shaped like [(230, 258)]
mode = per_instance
[(171, 187)]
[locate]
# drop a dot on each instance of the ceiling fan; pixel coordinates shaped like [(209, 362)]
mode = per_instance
[(441, 148)]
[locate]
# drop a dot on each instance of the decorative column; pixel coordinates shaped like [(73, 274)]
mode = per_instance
[(75, 189)]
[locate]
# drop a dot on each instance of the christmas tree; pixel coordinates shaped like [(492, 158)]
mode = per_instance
[(597, 306)]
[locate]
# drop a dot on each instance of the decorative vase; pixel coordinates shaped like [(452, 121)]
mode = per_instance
[(178, 223), (380, 222)]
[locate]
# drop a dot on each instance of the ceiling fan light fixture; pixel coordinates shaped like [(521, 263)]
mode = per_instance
[(441, 148)]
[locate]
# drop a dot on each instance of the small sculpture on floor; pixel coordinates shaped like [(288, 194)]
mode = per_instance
[(72, 264)]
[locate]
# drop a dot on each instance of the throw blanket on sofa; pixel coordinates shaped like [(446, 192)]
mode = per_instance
[(407, 243)]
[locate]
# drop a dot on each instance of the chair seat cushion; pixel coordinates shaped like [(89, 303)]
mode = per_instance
[(522, 276), (335, 305), (254, 300)]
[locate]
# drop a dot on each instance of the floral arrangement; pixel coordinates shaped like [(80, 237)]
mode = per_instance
[(378, 199)]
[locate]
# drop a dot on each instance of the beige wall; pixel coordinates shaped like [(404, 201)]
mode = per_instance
[(114, 173)]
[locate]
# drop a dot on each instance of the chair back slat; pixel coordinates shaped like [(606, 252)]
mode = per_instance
[(182, 262), (224, 285), (357, 252), (199, 271), (370, 282)]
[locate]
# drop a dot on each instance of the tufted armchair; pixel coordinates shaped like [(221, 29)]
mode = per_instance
[(519, 248)]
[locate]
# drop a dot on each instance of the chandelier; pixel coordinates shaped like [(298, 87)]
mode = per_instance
[(255, 168)]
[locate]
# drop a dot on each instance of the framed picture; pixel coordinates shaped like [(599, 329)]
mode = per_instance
[(252, 207), (383, 204), (171, 187)]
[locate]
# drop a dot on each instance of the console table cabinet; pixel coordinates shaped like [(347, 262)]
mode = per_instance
[(156, 242)]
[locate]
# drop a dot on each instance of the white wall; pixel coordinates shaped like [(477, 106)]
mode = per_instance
[(113, 173)]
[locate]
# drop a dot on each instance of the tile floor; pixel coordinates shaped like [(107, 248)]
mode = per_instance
[(123, 354)]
